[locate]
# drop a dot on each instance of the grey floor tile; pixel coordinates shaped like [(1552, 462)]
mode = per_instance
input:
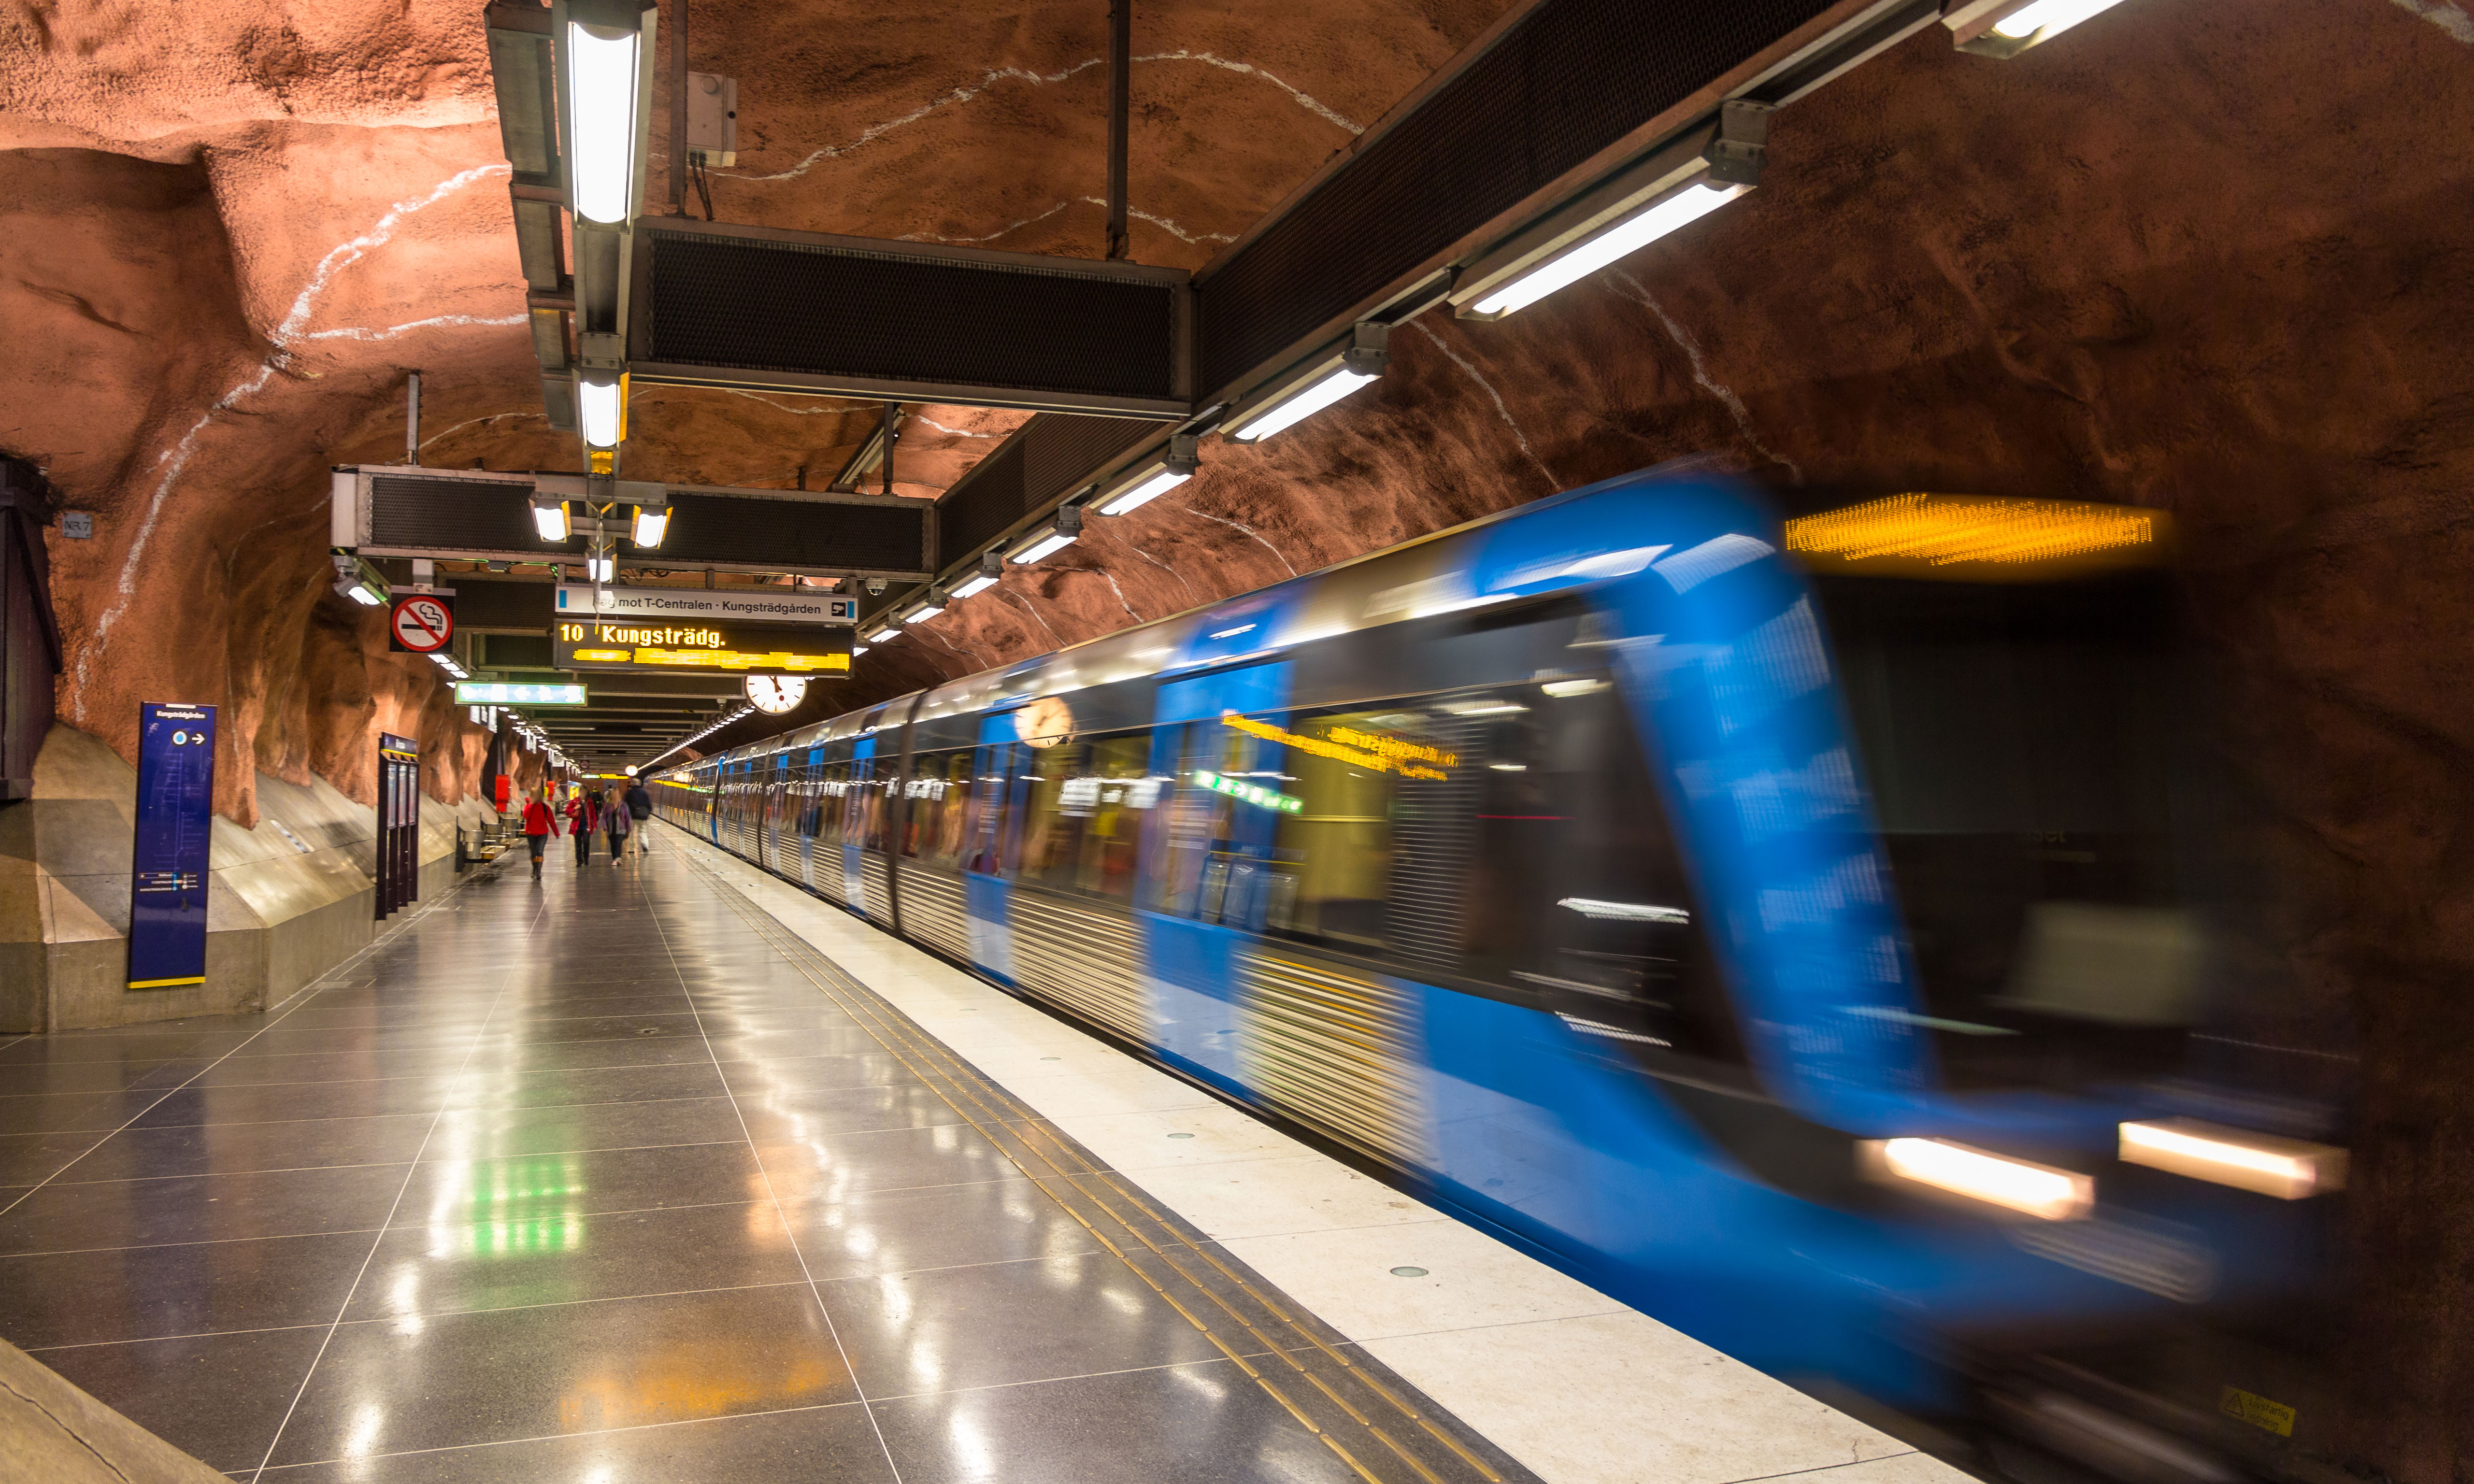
[(1006, 1323), (143, 1292), (1204, 1423), (824, 1443), (67, 1215), (218, 1398), (459, 1379)]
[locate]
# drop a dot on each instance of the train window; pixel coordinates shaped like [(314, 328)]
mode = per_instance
[(1574, 889), (1081, 812), (2023, 751), (1214, 838), (1334, 793), (935, 800)]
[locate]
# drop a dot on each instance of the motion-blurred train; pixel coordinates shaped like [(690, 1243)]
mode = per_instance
[(1793, 929)]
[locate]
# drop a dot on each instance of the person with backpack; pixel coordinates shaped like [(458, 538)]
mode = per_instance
[(540, 824), (620, 824), (583, 817), (640, 808)]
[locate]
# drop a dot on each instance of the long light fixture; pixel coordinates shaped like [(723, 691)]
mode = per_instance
[(2288, 1168), (1143, 482), (2037, 1190), (2005, 28), (927, 608), (549, 518), (1684, 180), (1313, 385), (991, 570), (1052, 538), (605, 79), (652, 516), (358, 581), (1671, 213), (883, 635), (601, 409)]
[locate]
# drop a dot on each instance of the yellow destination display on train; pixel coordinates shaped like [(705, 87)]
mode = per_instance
[(703, 647)]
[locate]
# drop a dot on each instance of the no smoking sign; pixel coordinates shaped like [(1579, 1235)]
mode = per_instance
[(421, 623)]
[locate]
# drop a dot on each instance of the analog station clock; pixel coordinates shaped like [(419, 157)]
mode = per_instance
[(1044, 722), (774, 695)]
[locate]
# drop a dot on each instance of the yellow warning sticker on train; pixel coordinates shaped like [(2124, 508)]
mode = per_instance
[(2257, 1410)]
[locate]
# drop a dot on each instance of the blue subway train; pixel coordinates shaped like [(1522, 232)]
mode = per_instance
[(1792, 929)]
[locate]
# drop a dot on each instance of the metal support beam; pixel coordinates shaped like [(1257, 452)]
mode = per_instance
[(1120, 70), (412, 417), (869, 456), (679, 106), (885, 434)]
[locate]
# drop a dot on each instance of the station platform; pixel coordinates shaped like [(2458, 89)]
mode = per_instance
[(666, 1170)]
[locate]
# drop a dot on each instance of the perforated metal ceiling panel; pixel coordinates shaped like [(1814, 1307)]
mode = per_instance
[(1571, 79), (1044, 459), (411, 511), (714, 530), (834, 312)]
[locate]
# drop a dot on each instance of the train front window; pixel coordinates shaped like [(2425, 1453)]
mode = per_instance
[(2020, 744)]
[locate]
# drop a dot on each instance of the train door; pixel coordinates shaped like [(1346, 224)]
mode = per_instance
[(1205, 858), (988, 922), (862, 803), (810, 790)]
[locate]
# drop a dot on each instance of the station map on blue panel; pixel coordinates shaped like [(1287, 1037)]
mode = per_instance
[(176, 792)]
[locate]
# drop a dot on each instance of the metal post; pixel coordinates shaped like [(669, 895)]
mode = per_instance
[(412, 418), (1121, 71), (889, 434), (679, 106)]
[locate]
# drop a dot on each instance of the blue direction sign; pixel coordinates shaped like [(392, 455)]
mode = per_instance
[(176, 795)]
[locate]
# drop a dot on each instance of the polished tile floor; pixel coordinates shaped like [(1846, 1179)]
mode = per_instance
[(583, 1181)]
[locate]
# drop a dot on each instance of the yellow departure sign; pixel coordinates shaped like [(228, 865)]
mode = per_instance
[(702, 649)]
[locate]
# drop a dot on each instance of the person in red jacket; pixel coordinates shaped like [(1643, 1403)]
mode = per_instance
[(540, 824)]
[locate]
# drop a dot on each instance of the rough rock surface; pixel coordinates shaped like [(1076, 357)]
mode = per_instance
[(2208, 258)]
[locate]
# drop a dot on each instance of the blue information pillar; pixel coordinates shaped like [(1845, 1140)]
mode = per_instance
[(176, 796)]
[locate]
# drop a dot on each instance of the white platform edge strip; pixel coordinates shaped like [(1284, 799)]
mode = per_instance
[(1579, 1387)]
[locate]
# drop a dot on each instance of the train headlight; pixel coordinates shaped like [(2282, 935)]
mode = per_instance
[(2288, 1168), (2031, 1189)]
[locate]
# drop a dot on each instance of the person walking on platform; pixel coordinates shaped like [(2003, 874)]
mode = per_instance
[(583, 816), (620, 824), (640, 808), (540, 824)]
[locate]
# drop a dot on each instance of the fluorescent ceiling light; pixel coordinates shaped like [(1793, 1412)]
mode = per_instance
[(856, 650), (1360, 363), (597, 405), (651, 523), (2052, 17), (603, 77), (975, 584), (2005, 28), (1065, 530), (883, 634), (601, 568), (362, 593), (549, 518), (1140, 495), (2288, 1168), (929, 607), (1147, 481), (1669, 212), (2035, 1190), (1306, 403)]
